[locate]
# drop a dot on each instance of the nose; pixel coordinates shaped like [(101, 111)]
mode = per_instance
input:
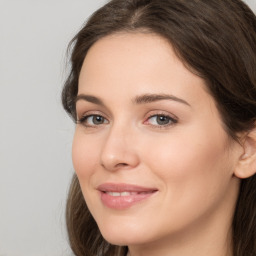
[(119, 150)]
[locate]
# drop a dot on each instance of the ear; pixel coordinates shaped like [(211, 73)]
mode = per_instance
[(246, 166)]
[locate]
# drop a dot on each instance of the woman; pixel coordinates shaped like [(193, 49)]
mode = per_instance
[(164, 97)]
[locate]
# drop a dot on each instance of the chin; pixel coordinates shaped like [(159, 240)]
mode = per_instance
[(128, 240), (123, 236)]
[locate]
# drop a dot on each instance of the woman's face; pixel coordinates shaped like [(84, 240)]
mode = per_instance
[(150, 151)]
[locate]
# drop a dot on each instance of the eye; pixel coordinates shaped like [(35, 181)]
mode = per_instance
[(93, 120), (161, 120)]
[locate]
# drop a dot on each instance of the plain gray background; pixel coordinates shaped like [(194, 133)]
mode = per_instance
[(35, 133)]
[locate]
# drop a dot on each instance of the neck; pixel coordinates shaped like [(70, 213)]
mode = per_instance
[(210, 246), (190, 244)]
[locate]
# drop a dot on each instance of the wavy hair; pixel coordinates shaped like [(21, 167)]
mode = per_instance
[(215, 39)]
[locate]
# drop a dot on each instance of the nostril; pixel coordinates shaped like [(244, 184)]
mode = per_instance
[(115, 167), (118, 158), (121, 165)]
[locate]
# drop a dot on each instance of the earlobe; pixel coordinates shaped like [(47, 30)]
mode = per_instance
[(246, 166)]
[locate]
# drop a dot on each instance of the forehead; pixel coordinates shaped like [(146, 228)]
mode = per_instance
[(136, 63), (127, 53), (132, 54)]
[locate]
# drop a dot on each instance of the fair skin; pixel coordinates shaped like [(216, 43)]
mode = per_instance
[(146, 120)]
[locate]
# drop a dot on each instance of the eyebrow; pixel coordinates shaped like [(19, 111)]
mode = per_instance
[(142, 99), (89, 98), (148, 98)]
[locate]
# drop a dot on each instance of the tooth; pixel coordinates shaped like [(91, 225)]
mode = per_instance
[(114, 193), (125, 194)]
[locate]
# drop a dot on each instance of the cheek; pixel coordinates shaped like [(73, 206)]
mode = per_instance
[(196, 164), (194, 176), (84, 155)]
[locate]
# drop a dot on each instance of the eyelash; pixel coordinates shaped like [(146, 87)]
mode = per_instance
[(171, 120), (84, 119)]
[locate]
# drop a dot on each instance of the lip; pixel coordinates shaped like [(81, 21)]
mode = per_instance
[(113, 195)]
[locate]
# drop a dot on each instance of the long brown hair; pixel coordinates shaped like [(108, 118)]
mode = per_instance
[(215, 39)]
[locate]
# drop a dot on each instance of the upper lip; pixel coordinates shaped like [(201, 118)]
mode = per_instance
[(123, 187)]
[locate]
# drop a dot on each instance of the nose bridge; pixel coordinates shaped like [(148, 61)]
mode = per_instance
[(118, 150)]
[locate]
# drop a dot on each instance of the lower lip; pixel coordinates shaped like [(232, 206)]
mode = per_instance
[(123, 202)]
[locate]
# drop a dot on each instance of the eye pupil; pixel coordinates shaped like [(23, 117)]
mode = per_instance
[(98, 120), (162, 120)]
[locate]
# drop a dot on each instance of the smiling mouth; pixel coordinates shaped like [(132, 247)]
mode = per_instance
[(126, 193), (123, 196)]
